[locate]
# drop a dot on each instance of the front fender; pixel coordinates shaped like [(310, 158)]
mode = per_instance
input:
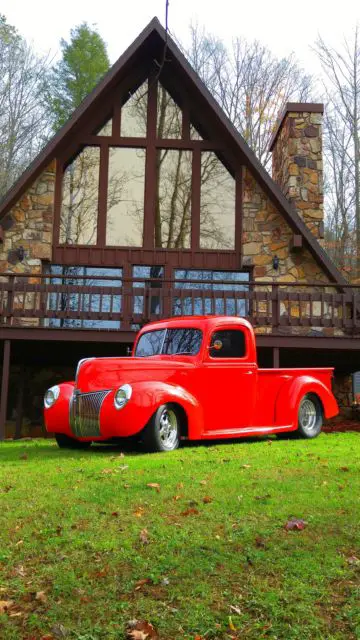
[(291, 393), (146, 398), (57, 417)]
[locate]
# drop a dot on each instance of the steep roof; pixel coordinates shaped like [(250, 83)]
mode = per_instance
[(155, 39)]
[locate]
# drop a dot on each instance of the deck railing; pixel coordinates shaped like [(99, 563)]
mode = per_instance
[(110, 303)]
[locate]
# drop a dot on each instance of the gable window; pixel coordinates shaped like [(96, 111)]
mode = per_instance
[(80, 194), (125, 197), (217, 204), (147, 175), (173, 205)]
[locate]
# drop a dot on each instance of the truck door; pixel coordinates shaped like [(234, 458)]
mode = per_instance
[(230, 381)]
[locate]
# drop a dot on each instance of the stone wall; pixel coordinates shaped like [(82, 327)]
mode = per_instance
[(29, 224), (343, 391), (297, 164), (266, 234)]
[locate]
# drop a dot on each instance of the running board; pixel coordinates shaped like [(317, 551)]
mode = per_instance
[(233, 433)]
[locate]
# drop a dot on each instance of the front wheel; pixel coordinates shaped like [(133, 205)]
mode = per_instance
[(162, 433), (65, 442), (310, 416)]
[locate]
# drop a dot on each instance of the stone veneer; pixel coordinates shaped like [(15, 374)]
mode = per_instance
[(29, 224), (266, 234), (297, 164)]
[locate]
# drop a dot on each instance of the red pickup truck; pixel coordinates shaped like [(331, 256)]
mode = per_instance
[(188, 378)]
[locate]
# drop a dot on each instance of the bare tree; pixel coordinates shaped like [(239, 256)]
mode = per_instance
[(342, 89), (23, 115), (250, 84)]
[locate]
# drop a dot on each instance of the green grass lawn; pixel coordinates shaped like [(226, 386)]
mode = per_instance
[(87, 546)]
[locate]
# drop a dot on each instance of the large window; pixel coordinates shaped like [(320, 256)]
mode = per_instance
[(217, 204), (173, 206), (125, 197), (204, 292), (81, 291), (80, 194), (147, 176)]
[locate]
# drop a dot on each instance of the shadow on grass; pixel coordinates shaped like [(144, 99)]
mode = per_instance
[(11, 451)]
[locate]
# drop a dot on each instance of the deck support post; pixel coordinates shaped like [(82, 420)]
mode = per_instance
[(276, 357), (20, 403), (4, 387)]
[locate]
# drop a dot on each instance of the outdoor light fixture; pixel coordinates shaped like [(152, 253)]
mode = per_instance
[(275, 263), (20, 252)]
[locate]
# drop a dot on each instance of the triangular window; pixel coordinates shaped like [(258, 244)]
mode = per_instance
[(169, 116), (105, 130), (134, 114)]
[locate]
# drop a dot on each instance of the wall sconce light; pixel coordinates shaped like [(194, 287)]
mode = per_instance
[(20, 253), (275, 263)]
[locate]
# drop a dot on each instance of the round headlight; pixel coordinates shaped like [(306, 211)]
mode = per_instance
[(51, 396), (122, 396)]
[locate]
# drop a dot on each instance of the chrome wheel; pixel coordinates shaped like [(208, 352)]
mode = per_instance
[(168, 428), (308, 417)]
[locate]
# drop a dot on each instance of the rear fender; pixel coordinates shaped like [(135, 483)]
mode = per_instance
[(148, 396), (291, 393)]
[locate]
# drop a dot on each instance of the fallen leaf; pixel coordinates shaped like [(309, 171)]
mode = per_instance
[(296, 524), (126, 486), (115, 514), (180, 485), (154, 485), (353, 560), (207, 499), (141, 583), (344, 469), (235, 609), (190, 512), (24, 456), (176, 498), (144, 536), (19, 542), (5, 605), (107, 471), (260, 542), (41, 597), (245, 466), (203, 482), (123, 467), (165, 582), (142, 630), (139, 512)]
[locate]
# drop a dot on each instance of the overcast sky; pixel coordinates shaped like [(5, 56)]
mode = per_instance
[(284, 25)]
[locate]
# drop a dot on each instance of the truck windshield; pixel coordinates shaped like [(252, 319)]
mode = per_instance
[(169, 342)]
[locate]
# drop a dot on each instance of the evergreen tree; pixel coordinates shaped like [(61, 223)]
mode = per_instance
[(84, 62)]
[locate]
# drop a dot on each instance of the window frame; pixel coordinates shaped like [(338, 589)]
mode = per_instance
[(228, 358)]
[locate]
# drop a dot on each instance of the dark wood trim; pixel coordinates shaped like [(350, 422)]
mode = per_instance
[(239, 194), (102, 195), (57, 205), (150, 166), (195, 199), (4, 387)]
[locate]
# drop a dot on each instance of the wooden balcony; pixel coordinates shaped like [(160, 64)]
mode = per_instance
[(106, 304)]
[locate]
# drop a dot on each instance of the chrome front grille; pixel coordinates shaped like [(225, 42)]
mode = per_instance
[(85, 413)]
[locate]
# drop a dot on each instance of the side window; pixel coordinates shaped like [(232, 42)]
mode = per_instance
[(228, 344)]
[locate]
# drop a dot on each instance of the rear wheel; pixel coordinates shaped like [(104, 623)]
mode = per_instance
[(163, 430), (65, 442), (310, 416)]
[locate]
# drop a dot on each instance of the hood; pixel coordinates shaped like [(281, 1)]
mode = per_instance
[(96, 374)]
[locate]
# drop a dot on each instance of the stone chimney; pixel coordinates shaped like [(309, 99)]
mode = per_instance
[(297, 165)]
